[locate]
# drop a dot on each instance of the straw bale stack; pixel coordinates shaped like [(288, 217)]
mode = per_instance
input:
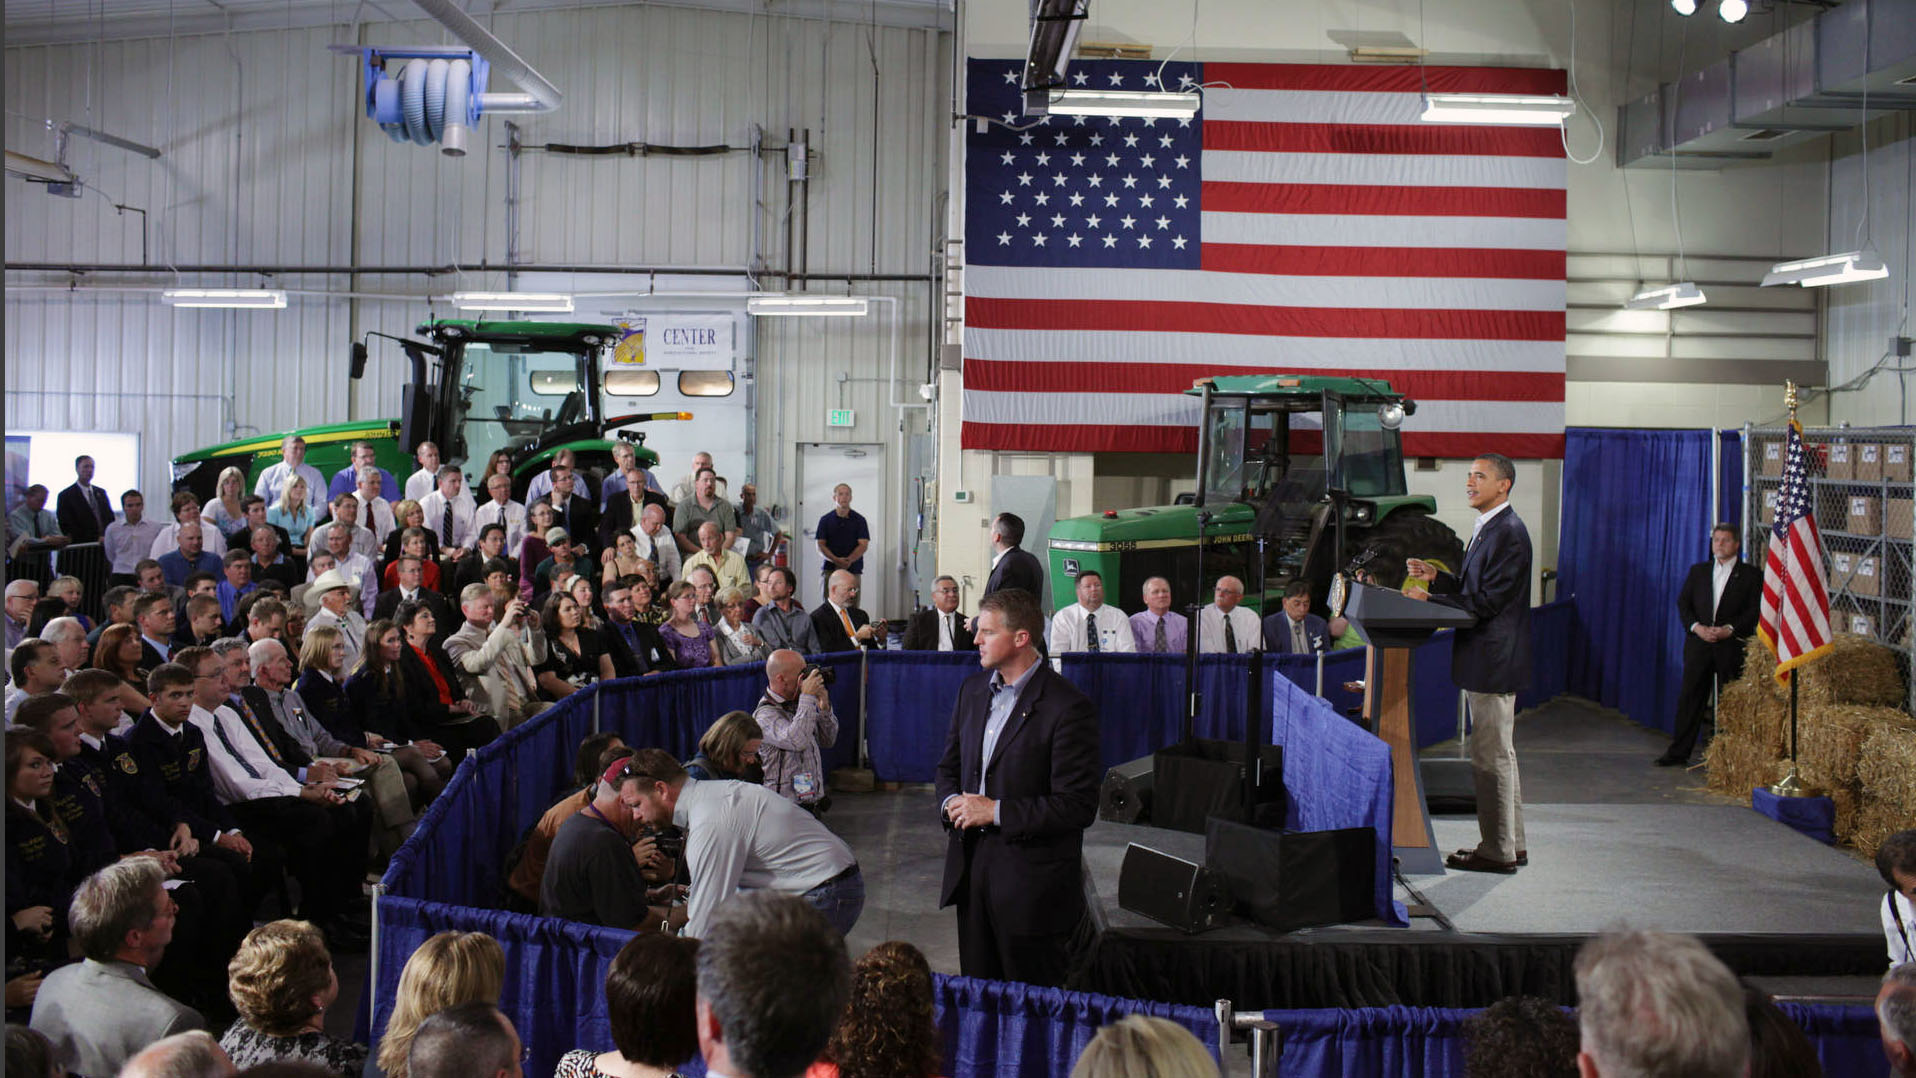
[(1887, 773), (1876, 821), (1830, 741), (1856, 671), (1750, 713), (1734, 765)]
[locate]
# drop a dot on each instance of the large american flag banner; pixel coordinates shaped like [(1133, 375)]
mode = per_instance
[(1304, 221), (1794, 619)]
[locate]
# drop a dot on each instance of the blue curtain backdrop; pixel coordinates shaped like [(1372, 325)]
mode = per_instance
[(1729, 477), (1636, 516)]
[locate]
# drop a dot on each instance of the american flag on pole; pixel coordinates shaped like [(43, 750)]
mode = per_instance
[(1305, 221), (1794, 619)]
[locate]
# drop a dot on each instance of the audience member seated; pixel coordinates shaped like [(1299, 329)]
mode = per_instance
[(189, 556), (656, 544), (151, 580), (1140, 1045), (117, 602), (374, 507), (839, 622), (449, 969), (526, 876), (44, 611), (282, 984), (198, 583), (29, 1054), (686, 488), (1658, 1005), (744, 836), (186, 510), (563, 558), (266, 620), (333, 595), (739, 644), (495, 660), (193, 1054), (705, 504), (153, 616), (471, 569), (426, 479), (1778, 1048), (408, 517), (293, 511), (620, 558), (573, 509), (43, 868), (688, 638), (751, 1023), (257, 685), (448, 514), (269, 561), (118, 653), (889, 1028), (71, 593), (635, 647), (1521, 1037), (729, 749), (410, 584), (292, 463), (130, 538), (582, 592), (500, 509), (1896, 862), (378, 698), (502, 580), (727, 565), (437, 694), (1089, 624), (236, 580), (34, 528), (532, 549), (202, 624), (68, 638), (347, 518), (225, 513), (651, 990), (365, 459), (540, 485), (254, 508), (594, 871), (1896, 1019), (100, 1012), (472, 1040), (575, 655), (941, 626), (415, 543), (625, 460), (33, 668)]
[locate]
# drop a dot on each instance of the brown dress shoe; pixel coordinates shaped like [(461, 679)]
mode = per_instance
[(1471, 861)]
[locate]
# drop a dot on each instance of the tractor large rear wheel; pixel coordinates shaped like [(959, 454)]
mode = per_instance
[(1405, 534)]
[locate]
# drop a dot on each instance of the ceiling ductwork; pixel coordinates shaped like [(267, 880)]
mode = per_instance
[(1808, 81)]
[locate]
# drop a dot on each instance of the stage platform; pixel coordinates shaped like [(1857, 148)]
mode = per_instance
[(1611, 839)]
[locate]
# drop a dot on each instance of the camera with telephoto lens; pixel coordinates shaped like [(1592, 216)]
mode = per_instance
[(825, 672), (669, 841)]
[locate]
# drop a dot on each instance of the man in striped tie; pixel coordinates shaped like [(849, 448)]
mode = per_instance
[(1157, 628)]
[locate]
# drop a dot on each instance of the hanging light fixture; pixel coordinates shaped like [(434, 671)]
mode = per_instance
[(1850, 266), (237, 298), (1730, 11), (530, 302), (1684, 7), (1666, 297), (1506, 110)]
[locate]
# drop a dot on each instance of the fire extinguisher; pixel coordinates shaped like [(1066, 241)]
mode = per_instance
[(781, 554)]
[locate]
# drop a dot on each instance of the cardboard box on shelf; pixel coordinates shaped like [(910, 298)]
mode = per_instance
[(1867, 580), (1865, 515), (1899, 519), (1842, 571), (1896, 462), (1772, 457), (1867, 460), (1768, 515), (1862, 625), (1841, 463)]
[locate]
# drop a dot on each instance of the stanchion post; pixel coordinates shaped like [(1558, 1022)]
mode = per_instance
[(372, 962), (1320, 675), (597, 692), (1463, 748), (864, 755), (1224, 1011), (1263, 1049)]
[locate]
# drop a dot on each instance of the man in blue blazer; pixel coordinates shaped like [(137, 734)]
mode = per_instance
[(1490, 660), (1017, 786), (1294, 630)]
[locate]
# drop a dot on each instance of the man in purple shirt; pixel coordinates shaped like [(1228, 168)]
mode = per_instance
[(1157, 628)]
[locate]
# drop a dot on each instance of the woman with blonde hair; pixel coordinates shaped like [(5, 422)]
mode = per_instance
[(294, 512), (1136, 1046), (448, 969), (282, 982), (224, 512)]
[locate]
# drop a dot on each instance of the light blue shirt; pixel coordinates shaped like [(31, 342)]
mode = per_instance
[(1004, 698)]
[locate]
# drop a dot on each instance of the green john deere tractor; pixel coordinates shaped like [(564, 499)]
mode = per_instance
[(1312, 463), (529, 388)]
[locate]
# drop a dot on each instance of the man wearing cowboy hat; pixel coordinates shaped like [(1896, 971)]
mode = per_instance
[(330, 601)]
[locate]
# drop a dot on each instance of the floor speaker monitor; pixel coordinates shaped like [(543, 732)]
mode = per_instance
[(1171, 890)]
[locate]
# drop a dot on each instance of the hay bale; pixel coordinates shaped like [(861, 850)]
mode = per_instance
[(1734, 765), (1750, 713), (1855, 671), (1875, 822), (1759, 667), (1847, 804), (1830, 741), (1887, 767)]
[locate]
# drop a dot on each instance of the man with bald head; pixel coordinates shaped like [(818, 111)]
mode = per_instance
[(194, 1054), (191, 557), (657, 544), (839, 623), (1225, 626), (727, 566), (795, 714)]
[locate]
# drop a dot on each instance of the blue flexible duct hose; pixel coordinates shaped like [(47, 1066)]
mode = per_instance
[(435, 100), (458, 108), (412, 95)]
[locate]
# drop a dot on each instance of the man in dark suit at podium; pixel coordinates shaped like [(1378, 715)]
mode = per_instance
[(1017, 787), (1490, 660), (1718, 605)]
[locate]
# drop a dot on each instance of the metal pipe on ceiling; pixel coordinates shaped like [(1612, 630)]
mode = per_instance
[(451, 268)]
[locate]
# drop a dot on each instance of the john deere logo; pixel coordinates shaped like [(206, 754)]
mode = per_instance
[(1071, 567)]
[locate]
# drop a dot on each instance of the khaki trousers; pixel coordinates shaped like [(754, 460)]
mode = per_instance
[(1493, 761)]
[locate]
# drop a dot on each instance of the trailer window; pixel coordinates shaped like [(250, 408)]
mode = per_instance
[(632, 383), (705, 383)]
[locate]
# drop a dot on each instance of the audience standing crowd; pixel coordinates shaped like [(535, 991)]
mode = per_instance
[(286, 676)]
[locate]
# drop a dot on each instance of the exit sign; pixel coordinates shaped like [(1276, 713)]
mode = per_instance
[(840, 417)]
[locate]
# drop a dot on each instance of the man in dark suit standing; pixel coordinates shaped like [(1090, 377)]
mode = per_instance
[(83, 509), (1718, 605), (1017, 786), (1490, 660), (1011, 565), (941, 628)]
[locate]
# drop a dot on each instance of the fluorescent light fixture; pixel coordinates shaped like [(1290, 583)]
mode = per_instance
[(537, 302), (1665, 297), (1516, 110), (1732, 10), (1119, 103), (843, 306), (1863, 265), (224, 297)]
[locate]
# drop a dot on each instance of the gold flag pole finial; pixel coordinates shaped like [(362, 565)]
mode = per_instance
[(1789, 397)]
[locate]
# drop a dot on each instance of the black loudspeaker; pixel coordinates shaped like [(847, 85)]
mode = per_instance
[(1450, 786), (1125, 796), (1202, 778), (1171, 890), (1295, 879)]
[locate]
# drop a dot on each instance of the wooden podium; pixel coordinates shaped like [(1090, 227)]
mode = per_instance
[(1391, 625)]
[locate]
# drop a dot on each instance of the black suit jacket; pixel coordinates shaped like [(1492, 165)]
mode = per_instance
[(292, 756), (1044, 773), (83, 520), (831, 631), (443, 615), (1742, 594), (580, 520), (1492, 656), (180, 767), (619, 518), (652, 654), (921, 632), (1019, 568)]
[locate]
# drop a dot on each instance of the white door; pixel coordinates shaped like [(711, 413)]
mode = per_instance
[(820, 469)]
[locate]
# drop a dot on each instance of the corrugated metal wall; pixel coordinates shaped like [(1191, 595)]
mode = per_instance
[(1861, 318), (269, 161)]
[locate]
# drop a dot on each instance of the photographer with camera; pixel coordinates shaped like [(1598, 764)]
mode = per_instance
[(796, 717), (595, 870)]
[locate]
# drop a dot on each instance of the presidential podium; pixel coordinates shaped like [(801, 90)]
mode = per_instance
[(1392, 624)]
